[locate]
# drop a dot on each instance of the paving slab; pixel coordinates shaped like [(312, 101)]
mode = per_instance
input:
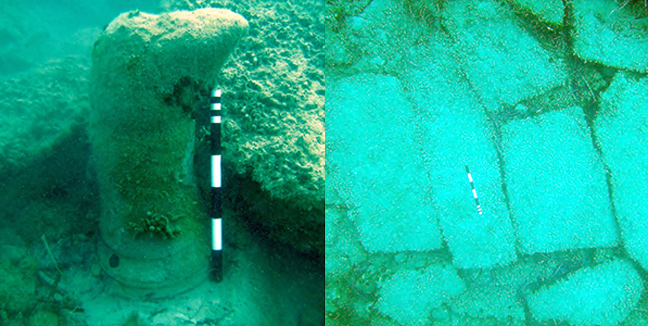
[(410, 295), (504, 63), (611, 33), (602, 295), (556, 184), (551, 11), (623, 137), (381, 175)]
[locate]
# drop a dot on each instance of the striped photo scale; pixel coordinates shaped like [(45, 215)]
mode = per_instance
[(472, 186), (216, 189)]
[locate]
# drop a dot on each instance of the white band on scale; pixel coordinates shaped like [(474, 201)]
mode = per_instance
[(216, 171), (216, 106), (216, 93), (472, 186), (217, 242)]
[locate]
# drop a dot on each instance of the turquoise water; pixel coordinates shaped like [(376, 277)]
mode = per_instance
[(485, 162)]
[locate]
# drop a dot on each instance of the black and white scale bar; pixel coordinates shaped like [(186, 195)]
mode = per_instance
[(216, 189), (472, 186)]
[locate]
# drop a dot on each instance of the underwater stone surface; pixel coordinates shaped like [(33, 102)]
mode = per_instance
[(621, 131), (452, 132), (556, 184), (273, 109), (550, 11), (380, 174), (343, 249), (490, 301), (606, 34), (43, 134), (17, 280), (602, 295), (504, 63), (39, 108), (410, 295), (389, 38)]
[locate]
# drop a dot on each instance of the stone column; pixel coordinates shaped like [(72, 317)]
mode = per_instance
[(150, 73)]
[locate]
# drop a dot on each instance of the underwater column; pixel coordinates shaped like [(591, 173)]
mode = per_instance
[(150, 74)]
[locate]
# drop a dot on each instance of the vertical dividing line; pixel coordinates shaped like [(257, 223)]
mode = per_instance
[(216, 187), (472, 186)]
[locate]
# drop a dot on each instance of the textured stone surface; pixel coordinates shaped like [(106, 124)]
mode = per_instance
[(43, 135), (621, 132), (273, 127), (551, 11), (410, 295), (381, 174), (611, 33), (452, 132), (17, 280), (39, 108), (602, 295), (504, 63), (556, 184), (486, 301)]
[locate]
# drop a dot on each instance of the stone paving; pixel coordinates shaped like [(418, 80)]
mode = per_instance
[(547, 106)]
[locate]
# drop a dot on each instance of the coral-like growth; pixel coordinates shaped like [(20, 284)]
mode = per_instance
[(157, 224)]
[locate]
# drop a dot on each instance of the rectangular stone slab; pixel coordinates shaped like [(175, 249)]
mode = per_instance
[(610, 33), (556, 184), (622, 134), (504, 63), (409, 295), (602, 295), (378, 170)]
